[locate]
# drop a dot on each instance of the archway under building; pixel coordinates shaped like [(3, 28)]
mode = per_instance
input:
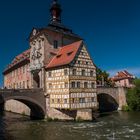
[(36, 80), (107, 103)]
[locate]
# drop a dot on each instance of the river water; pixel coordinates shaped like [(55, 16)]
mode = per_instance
[(113, 126)]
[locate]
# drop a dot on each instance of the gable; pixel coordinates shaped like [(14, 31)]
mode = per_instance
[(83, 58)]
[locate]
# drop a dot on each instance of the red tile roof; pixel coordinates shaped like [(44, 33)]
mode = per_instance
[(23, 56), (65, 55), (122, 75)]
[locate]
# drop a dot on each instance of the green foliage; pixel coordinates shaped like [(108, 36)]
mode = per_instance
[(103, 76), (126, 108), (133, 96)]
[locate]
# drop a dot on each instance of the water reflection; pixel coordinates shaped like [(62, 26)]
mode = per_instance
[(120, 125)]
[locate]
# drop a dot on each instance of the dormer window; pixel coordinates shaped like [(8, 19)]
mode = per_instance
[(58, 56), (55, 44), (69, 53)]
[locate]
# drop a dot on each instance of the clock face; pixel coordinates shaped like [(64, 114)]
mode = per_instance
[(34, 32)]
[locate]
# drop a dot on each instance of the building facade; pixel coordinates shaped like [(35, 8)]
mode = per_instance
[(58, 62), (123, 79)]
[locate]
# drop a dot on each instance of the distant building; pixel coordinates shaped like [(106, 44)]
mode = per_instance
[(58, 62), (123, 79)]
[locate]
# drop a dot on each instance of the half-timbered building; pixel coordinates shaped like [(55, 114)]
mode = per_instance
[(58, 62)]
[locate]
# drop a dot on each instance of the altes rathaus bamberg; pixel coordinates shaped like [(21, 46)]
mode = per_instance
[(58, 62)]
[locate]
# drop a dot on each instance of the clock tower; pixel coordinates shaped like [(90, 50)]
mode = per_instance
[(45, 44)]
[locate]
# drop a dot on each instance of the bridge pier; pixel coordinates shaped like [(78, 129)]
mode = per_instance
[(122, 97)]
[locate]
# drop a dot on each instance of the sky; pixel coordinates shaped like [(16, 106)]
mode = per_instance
[(110, 29)]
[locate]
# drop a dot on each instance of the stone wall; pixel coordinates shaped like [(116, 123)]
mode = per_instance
[(58, 114), (84, 114)]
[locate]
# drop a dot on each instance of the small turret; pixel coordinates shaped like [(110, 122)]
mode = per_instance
[(55, 12)]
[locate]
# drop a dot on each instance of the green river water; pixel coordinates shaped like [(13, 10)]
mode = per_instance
[(113, 126)]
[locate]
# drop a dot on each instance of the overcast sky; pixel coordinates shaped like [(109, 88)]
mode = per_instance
[(110, 28)]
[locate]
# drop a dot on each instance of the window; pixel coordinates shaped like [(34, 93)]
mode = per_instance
[(59, 55), (23, 69), (92, 85), (78, 84), (40, 44), (72, 100), (74, 72), (50, 74), (58, 101), (27, 83), (81, 100), (66, 85), (23, 84), (55, 44), (93, 99), (52, 101), (65, 101), (73, 84), (86, 63), (17, 86), (91, 73), (69, 53), (83, 72), (85, 85), (65, 72), (20, 85), (50, 85), (78, 62)]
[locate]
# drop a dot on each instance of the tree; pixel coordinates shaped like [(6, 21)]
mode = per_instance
[(103, 78), (133, 96)]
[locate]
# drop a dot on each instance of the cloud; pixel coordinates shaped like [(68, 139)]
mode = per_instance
[(133, 70)]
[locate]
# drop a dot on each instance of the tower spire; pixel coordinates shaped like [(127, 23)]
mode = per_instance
[(55, 11)]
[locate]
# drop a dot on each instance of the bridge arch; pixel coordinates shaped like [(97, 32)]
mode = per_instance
[(34, 99), (115, 95), (36, 112), (107, 103)]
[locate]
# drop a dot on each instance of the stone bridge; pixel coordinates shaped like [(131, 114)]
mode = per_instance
[(33, 98), (111, 98)]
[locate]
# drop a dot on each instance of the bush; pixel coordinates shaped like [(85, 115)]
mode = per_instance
[(133, 96), (126, 108)]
